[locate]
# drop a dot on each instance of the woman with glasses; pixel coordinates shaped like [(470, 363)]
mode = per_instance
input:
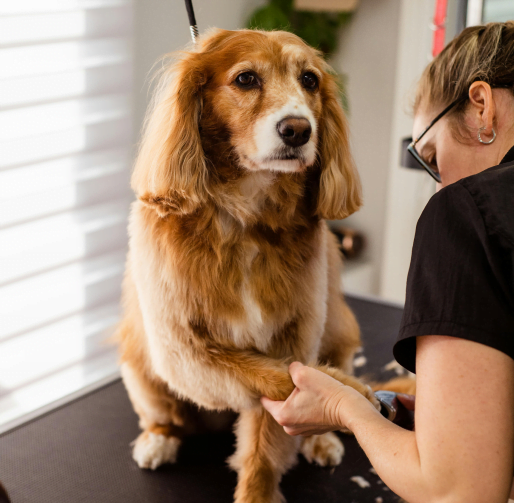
[(457, 331)]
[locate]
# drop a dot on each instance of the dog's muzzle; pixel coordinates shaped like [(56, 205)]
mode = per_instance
[(294, 131)]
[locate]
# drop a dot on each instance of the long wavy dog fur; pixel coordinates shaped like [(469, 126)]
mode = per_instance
[(231, 271)]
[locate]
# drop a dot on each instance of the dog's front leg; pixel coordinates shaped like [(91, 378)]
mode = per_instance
[(264, 452), (362, 388)]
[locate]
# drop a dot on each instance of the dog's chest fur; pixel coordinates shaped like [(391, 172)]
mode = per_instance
[(253, 328), (245, 284)]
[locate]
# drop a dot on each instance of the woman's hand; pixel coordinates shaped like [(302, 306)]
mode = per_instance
[(318, 404)]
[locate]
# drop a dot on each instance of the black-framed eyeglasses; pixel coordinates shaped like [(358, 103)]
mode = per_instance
[(409, 145)]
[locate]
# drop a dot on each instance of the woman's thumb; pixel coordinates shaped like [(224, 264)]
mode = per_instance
[(270, 405)]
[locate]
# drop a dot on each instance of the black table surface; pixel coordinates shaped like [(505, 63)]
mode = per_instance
[(80, 452)]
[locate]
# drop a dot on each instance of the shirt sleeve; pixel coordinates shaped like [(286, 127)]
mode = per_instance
[(453, 286)]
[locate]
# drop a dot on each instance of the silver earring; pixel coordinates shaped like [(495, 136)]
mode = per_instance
[(486, 142)]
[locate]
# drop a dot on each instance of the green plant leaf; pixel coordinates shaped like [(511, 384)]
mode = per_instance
[(342, 83), (319, 29), (269, 17), (344, 18), (286, 6)]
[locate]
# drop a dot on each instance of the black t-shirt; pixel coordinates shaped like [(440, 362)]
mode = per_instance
[(461, 275)]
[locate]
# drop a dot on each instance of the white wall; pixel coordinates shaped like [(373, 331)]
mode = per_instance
[(408, 191), (384, 51), (368, 55)]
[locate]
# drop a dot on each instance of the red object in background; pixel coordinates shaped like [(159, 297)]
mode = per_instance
[(439, 26)]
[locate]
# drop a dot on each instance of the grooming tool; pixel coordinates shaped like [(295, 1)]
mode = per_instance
[(391, 408), (192, 21)]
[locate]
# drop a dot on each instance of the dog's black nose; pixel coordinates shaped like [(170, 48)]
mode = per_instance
[(294, 131)]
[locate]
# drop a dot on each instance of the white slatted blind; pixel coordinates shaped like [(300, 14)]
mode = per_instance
[(65, 155)]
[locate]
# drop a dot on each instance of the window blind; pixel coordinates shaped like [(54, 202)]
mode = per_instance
[(65, 156)]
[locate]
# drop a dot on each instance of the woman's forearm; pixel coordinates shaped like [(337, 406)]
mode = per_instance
[(393, 452)]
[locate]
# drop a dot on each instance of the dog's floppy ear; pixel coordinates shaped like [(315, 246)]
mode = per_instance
[(340, 192), (170, 173)]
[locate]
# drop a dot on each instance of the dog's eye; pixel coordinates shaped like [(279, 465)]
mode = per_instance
[(309, 80), (246, 79)]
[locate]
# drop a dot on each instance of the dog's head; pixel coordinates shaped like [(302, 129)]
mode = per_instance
[(245, 101)]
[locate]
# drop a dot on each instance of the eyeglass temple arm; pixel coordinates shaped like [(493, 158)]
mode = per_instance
[(446, 110)]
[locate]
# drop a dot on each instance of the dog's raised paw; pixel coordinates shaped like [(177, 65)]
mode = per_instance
[(152, 450), (325, 450)]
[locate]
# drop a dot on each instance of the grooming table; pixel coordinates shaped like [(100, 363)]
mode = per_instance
[(80, 451)]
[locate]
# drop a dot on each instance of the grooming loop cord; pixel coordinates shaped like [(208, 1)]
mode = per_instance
[(192, 21), (194, 32)]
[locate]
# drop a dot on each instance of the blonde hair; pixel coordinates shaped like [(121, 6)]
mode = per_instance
[(484, 53)]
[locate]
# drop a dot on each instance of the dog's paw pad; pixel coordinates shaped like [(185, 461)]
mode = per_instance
[(325, 450), (152, 450)]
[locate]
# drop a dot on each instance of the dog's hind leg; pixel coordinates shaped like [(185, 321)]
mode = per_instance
[(161, 416), (341, 337), (264, 452)]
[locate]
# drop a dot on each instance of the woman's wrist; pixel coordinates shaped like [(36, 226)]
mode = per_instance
[(352, 409), (338, 402)]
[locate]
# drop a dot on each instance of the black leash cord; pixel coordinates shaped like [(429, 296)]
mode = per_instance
[(192, 20)]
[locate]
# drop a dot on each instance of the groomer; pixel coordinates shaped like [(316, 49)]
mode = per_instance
[(457, 331)]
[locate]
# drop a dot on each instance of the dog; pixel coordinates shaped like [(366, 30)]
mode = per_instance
[(231, 271)]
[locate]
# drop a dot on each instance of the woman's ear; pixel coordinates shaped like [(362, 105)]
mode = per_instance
[(340, 192), (482, 106), (170, 173)]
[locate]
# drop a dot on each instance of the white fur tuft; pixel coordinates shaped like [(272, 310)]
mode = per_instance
[(325, 450), (152, 450)]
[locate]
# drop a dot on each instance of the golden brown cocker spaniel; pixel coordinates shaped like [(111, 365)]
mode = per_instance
[(231, 271)]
